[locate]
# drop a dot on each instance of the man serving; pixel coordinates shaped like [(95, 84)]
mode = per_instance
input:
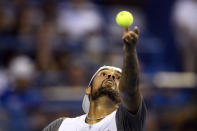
[(112, 100)]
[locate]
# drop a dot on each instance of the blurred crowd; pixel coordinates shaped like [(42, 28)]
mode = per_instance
[(57, 44)]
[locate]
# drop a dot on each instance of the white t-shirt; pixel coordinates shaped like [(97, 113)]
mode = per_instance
[(119, 120), (79, 124)]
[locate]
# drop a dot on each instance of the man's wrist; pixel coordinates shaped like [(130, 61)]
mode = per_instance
[(129, 50)]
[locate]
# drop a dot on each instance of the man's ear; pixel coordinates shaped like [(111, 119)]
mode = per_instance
[(88, 90)]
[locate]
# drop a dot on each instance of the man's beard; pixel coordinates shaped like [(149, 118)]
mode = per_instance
[(107, 91)]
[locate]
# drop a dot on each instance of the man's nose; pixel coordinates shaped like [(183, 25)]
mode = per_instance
[(111, 76)]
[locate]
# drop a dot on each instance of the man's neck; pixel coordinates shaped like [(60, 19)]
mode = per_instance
[(100, 108)]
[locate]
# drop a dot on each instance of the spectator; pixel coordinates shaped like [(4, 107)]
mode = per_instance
[(20, 98), (185, 23)]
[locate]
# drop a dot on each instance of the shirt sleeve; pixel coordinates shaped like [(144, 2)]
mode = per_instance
[(127, 121), (54, 126)]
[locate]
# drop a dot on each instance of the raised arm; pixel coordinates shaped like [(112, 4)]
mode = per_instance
[(129, 83)]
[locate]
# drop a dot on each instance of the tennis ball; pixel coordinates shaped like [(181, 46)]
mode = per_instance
[(124, 19)]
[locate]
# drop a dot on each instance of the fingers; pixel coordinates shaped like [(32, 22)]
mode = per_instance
[(136, 30), (126, 30), (125, 40), (133, 35), (130, 36)]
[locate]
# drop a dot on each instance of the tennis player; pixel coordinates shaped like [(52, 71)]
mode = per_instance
[(112, 100)]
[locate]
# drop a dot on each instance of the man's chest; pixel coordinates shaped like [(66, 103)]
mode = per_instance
[(107, 124)]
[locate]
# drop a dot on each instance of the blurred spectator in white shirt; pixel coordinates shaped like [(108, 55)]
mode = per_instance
[(21, 98), (78, 18), (185, 23)]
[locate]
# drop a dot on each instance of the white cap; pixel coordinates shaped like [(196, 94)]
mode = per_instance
[(86, 101)]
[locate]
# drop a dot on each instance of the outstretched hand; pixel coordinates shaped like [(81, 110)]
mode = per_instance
[(130, 38)]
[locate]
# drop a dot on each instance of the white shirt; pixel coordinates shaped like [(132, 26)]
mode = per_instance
[(79, 124)]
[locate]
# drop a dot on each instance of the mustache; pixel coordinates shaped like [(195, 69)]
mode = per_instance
[(109, 79)]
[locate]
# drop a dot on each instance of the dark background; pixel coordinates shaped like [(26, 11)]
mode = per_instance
[(49, 50)]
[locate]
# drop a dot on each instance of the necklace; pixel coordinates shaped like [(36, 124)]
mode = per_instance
[(95, 118)]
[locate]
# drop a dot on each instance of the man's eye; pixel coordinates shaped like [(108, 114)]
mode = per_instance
[(118, 77), (103, 74)]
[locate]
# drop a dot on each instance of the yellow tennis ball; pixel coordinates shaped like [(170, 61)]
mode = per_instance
[(124, 19)]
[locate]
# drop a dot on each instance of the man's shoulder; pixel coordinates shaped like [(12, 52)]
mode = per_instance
[(141, 109), (133, 121), (54, 125)]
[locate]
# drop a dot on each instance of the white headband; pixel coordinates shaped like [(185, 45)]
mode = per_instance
[(86, 101)]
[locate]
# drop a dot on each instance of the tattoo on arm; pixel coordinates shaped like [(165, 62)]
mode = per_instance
[(129, 83)]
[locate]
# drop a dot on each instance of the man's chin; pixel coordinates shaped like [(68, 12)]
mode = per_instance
[(109, 92)]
